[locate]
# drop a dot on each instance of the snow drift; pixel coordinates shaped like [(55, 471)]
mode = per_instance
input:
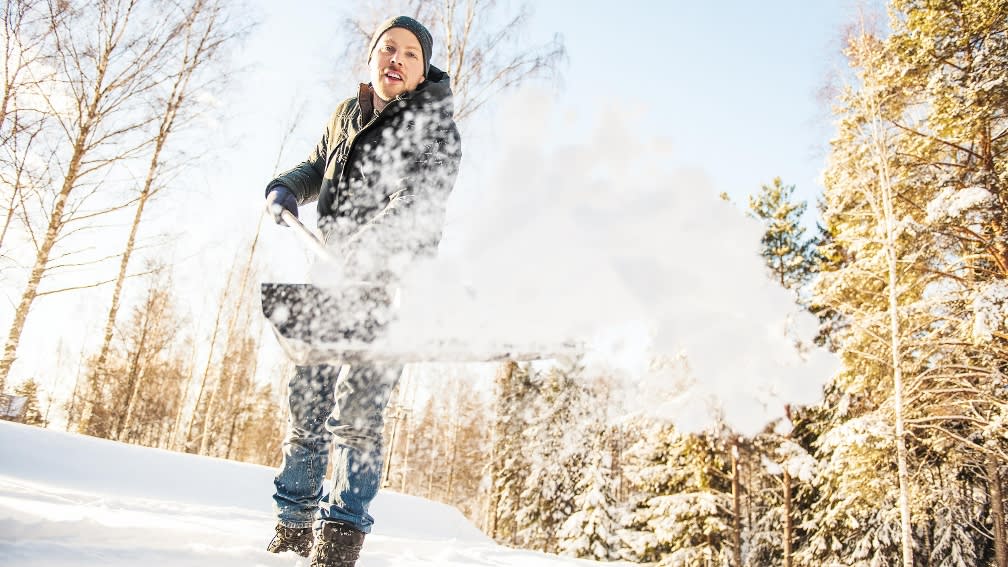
[(71, 500)]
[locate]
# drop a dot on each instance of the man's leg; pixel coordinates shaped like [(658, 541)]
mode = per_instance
[(306, 447), (356, 425)]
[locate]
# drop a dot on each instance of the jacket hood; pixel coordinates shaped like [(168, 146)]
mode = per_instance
[(436, 89)]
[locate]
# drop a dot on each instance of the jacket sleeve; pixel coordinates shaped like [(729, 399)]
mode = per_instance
[(305, 178)]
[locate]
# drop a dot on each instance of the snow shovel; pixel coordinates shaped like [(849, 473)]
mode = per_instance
[(316, 325)]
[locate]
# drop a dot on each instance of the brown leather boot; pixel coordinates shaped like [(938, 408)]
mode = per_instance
[(298, 540), (338, 545)]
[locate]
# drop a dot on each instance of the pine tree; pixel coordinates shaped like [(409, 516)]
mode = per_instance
[(32, 413), (793, 260), (509, 463), (683, 515), (553, 441), (592, 531), (828, 257), (788, 254), (855, 518), (925, 126)]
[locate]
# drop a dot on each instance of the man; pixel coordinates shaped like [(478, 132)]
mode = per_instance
[(381, 173)]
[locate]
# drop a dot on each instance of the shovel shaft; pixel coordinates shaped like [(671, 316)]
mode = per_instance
[(310, 238)]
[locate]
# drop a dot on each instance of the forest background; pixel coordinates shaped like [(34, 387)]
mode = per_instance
[(112, 121)]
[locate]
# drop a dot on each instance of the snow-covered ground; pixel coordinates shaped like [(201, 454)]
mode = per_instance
[(68, 500)]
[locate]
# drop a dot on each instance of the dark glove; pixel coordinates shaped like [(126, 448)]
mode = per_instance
[(281, 198)]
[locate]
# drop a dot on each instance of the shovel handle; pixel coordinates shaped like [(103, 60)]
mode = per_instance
[(310, 238)]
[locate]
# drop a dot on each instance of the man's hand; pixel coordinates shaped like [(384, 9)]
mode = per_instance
[(281, 198)]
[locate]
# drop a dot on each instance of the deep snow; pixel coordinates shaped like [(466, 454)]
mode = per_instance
[(69, 500)]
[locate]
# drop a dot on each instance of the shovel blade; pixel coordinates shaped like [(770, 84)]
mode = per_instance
[(345, 325), (303, 315)]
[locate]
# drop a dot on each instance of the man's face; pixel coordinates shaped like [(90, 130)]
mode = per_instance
[(396, 64)]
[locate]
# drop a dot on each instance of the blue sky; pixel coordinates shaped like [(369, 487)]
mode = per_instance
[(732, 85)]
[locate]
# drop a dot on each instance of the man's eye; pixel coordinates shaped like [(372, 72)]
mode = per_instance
[(412, 54)]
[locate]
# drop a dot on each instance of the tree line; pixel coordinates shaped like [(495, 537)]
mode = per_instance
[(902, 463)]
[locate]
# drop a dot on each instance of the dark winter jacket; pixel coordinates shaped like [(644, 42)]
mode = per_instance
[(382, 180)]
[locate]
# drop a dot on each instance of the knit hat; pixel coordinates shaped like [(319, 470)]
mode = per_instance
[(409, 24)]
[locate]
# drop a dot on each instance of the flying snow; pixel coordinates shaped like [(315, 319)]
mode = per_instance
[(652, 276)]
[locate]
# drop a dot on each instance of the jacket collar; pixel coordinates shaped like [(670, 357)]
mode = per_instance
[(365, 100), (436, 88)]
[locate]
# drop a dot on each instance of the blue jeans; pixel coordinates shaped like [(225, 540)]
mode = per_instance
[(346, 415)]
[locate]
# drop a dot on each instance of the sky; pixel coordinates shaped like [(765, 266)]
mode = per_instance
[(720, 97), (732, 88), (70, 500), (732, 85)]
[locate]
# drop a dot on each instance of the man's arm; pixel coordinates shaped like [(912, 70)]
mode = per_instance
[(305, 179)]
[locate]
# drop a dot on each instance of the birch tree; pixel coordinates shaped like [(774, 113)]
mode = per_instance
[(225, 391), (27, 70), (111, 57), (203, 30)]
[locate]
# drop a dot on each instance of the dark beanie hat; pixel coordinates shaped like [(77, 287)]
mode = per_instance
[(407, 23)]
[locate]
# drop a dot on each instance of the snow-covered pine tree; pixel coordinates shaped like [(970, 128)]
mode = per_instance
[(771, 481), (683, 514), (828, 256), (933, 137), (854, 518), (556, 450), (793, 261), (592, 531), (509, 463), (954, 56)]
